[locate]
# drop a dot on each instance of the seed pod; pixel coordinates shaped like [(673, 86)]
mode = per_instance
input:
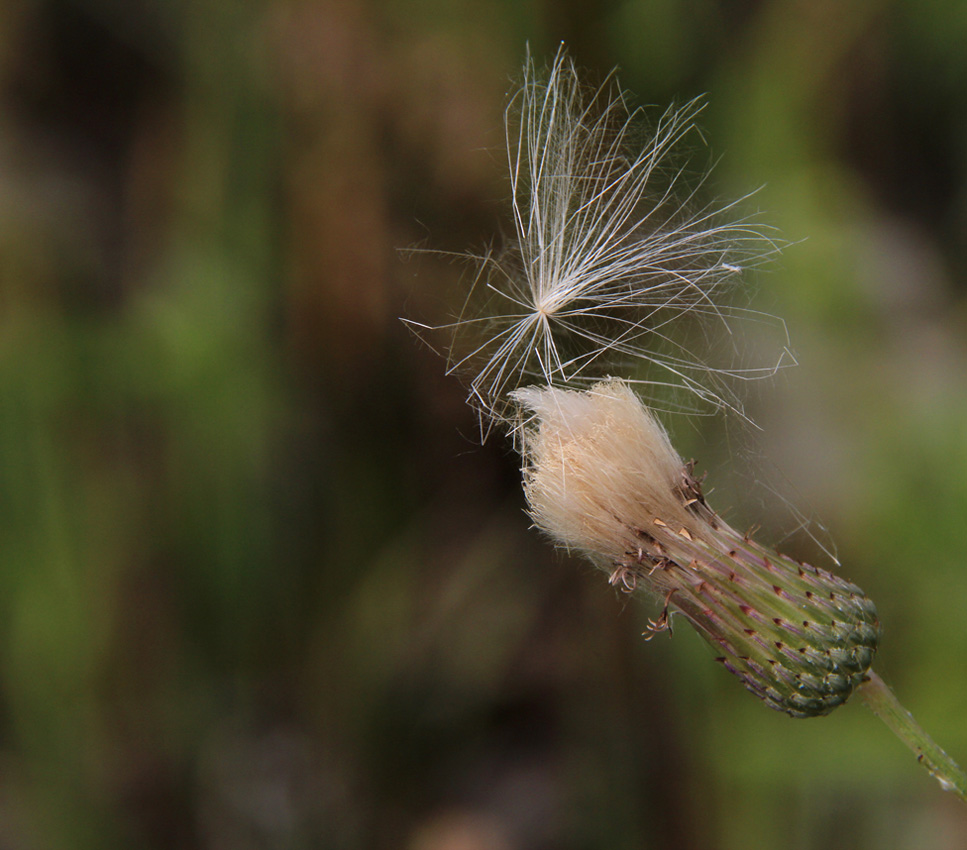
[(602, 478)]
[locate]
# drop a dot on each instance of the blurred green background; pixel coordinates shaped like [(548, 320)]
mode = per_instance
[(259, 585)]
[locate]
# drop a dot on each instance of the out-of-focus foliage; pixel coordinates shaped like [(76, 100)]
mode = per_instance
[(260, 588)]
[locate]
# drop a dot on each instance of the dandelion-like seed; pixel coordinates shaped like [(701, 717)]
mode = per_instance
[(607, 261), (610, 253)]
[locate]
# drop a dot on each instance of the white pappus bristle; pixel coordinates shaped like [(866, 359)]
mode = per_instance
[(598, 466), (610, 251)]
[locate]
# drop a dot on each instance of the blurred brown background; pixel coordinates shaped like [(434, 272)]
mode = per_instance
[(259, 585)]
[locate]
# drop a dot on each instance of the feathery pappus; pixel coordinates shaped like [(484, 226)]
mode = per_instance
[(610, 254)]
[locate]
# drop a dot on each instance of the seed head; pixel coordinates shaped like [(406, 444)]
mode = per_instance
[(601, 478)]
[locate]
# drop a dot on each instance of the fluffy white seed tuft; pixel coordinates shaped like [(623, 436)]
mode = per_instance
[(597, 467), (610, 252)]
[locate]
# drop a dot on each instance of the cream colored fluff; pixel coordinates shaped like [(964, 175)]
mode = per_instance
[(599, 468)]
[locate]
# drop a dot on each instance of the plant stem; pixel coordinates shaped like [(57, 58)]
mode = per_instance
[(884, 704)]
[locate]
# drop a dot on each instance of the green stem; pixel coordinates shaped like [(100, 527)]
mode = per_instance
[(886, 706)]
